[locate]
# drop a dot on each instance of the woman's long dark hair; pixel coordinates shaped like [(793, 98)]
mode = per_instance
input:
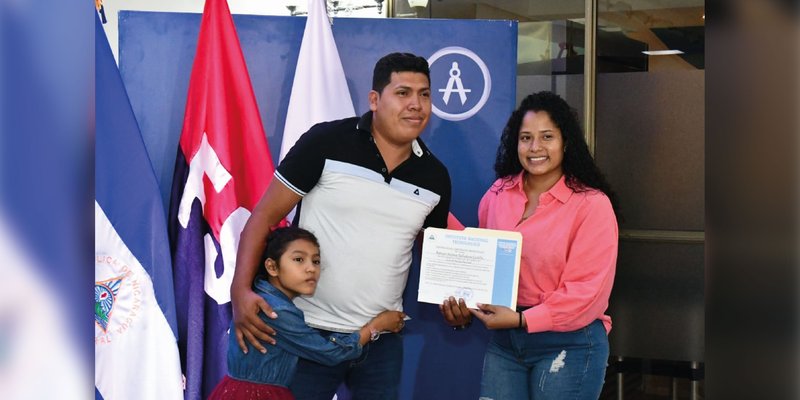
[(579, 168)]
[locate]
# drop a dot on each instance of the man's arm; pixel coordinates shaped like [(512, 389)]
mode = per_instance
[(276, 202)]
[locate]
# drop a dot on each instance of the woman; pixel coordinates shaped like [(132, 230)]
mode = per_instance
[(555, 345)]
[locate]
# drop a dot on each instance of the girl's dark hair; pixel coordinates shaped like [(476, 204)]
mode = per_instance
[(580, 171), (278, 241)]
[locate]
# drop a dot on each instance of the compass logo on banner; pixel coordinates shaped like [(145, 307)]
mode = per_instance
[(462, 83)]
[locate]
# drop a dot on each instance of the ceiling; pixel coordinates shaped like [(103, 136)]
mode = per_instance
[(654, 24)]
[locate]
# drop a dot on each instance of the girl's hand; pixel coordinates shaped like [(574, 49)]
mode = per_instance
[(392, 321)]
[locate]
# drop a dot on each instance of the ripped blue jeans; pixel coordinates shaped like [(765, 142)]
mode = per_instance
[(546, 365)]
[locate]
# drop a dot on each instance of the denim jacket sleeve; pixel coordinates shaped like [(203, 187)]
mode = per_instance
[(294, 336)]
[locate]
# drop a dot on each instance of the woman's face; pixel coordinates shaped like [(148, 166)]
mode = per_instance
[(540, 146)]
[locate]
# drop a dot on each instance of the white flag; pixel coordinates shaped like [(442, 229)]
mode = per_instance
[(319, 91)]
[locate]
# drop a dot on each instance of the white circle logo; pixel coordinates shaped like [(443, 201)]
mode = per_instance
[(455, 84)]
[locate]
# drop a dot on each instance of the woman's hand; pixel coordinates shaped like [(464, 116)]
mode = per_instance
[(497, 317)]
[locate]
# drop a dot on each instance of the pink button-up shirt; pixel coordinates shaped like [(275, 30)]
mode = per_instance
[(569, 252)]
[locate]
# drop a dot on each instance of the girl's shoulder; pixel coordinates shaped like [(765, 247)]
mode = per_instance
[(276, 299)]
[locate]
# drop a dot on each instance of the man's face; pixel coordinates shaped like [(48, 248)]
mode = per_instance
[(401, 110)]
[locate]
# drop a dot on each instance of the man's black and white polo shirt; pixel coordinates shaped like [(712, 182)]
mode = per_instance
[(365, 218)]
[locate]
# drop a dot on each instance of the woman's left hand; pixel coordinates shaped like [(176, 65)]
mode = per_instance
[(496, 317)]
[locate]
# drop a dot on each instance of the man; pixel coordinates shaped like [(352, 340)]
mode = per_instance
[(368, 186)]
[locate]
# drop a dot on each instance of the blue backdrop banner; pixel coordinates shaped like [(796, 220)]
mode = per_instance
[(473, 76)]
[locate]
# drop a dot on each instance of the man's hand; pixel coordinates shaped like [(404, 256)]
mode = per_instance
[(455, 312), (497, 317), (248, 324), (270, 211)]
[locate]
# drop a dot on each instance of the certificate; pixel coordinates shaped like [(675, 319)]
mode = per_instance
[(477, 265)]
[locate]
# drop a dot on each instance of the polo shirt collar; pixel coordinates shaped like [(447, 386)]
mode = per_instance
[(365, 125), (365, 122), (560, 191)]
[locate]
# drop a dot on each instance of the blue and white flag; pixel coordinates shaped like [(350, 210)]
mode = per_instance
[(136, 352)]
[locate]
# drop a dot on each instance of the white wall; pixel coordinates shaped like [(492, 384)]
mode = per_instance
[(112, 8), (252, 7)]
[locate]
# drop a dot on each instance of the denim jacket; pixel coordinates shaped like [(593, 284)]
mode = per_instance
[(293, 338)]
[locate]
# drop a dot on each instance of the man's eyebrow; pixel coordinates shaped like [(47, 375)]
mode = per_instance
[(402, 86)]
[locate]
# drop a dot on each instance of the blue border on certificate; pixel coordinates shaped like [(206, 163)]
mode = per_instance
[(505, 263)]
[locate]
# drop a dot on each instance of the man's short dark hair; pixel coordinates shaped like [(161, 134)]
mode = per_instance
[(397, 62)]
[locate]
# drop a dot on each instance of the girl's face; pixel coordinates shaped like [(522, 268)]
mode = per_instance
[(297, 271), (540, 146)]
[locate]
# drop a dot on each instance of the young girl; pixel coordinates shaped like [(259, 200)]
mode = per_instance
[(291, 268)]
